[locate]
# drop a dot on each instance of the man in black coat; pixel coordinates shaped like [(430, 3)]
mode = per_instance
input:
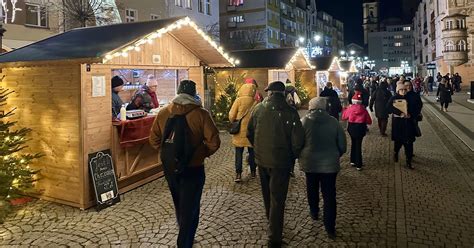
[(334, 104), (365, 93)]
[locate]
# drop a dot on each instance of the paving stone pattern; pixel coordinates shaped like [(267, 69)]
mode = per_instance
[(384, 205)]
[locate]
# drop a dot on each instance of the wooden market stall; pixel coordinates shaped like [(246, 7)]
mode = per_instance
[(327, 70), (268, 65), (63, 93), (348, 69)]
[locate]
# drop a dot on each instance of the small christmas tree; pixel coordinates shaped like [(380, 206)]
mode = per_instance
[(224, 102), (16, 176), (302, 92)]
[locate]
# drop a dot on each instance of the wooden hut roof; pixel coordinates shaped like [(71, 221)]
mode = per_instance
[(348, 66), (101, 41), (278, 58), (326, 63)]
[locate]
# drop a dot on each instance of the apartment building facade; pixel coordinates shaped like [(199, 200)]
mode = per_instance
[(392, 48), (331, 32), (254, 24), (443, 38), (34, 21)]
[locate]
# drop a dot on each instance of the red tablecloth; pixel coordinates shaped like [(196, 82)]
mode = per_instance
[(134, 132)]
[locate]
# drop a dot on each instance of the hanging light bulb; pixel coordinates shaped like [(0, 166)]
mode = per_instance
[(124, 54), (137, 48)]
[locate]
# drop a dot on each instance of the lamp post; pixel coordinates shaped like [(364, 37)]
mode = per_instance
[(309, 45)]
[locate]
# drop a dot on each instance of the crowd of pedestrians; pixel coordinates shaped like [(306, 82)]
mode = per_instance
[(275, 136)]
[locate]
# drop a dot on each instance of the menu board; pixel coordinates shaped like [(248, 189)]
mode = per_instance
[(103, 178)]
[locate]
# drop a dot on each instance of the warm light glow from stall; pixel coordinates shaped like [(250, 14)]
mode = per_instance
[(159, 33)]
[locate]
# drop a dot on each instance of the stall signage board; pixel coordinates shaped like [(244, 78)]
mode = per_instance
[(103, 178)]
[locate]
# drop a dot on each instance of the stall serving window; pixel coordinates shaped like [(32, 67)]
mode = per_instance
[(168, 81)]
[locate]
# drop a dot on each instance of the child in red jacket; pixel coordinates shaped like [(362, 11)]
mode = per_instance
[(358, 118)]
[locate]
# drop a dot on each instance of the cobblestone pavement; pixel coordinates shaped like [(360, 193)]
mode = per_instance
[(385, 205)]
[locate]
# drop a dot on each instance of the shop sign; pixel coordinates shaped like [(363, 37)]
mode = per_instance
[(98, 86), (103, 178), (431, 66)]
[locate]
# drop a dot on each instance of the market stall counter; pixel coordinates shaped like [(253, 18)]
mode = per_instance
[(136, 162)]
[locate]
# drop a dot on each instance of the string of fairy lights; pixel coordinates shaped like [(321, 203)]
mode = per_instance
[(299, 52), (149, 39)]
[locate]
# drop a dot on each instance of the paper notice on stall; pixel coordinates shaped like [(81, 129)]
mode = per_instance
[(98, 86), (401, 104)]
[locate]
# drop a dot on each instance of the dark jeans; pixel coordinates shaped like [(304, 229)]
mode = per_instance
[(382, 125), (328, 189), (444, 104), (186, 190), (274, 190), (356, 151), (408, 149), (238, 159)]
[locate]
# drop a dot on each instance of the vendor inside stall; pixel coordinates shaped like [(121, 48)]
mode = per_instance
[(145, 98), (117, 86)]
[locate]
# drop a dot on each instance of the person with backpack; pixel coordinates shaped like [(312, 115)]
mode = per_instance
[(240, 111), (185, 134), (276, 133), (358, 118), (334, 104), (291, 95)]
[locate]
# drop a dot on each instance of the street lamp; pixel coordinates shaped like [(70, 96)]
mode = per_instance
[(352, 52), (366, 58), (342, 53), (301, 39), (317, 37)]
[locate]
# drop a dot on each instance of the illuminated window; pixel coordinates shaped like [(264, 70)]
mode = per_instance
[(238, 19), (406, 28), (398, 44)]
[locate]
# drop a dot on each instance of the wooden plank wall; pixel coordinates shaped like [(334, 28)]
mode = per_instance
[(197, 75), (172, 53), (96, 122), (48, 101)]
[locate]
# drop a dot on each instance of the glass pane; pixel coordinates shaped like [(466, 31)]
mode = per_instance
[(44, 17), (32, 15)]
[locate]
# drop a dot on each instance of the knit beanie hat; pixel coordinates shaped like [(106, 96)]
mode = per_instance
[(357, 98), (187, 87), (318, 103), (117, 81)]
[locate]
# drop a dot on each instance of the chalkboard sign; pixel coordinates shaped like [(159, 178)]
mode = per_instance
[(103, 179)]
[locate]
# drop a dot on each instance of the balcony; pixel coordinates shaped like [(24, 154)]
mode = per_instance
[(455, 58), (231, 24)]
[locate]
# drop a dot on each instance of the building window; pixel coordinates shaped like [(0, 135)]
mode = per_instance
[(36, 15), (238, 19), (201, 6), (130, 15), (188, 4), (208, 7), (236, 2), (462, 45), (449, 46), (449, 25), (178, 3), (406, 28), (398, 44), (154, 17)]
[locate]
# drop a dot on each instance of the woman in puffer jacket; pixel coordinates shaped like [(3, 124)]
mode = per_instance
[(358, 118), (242, 109)]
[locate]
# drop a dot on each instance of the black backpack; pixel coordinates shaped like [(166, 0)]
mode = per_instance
[(176, 147)]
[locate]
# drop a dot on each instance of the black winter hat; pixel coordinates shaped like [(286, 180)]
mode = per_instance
[(188, 87), (276, 86), (117, 81)]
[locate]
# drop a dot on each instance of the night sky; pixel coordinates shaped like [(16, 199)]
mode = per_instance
[(350, 12)]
